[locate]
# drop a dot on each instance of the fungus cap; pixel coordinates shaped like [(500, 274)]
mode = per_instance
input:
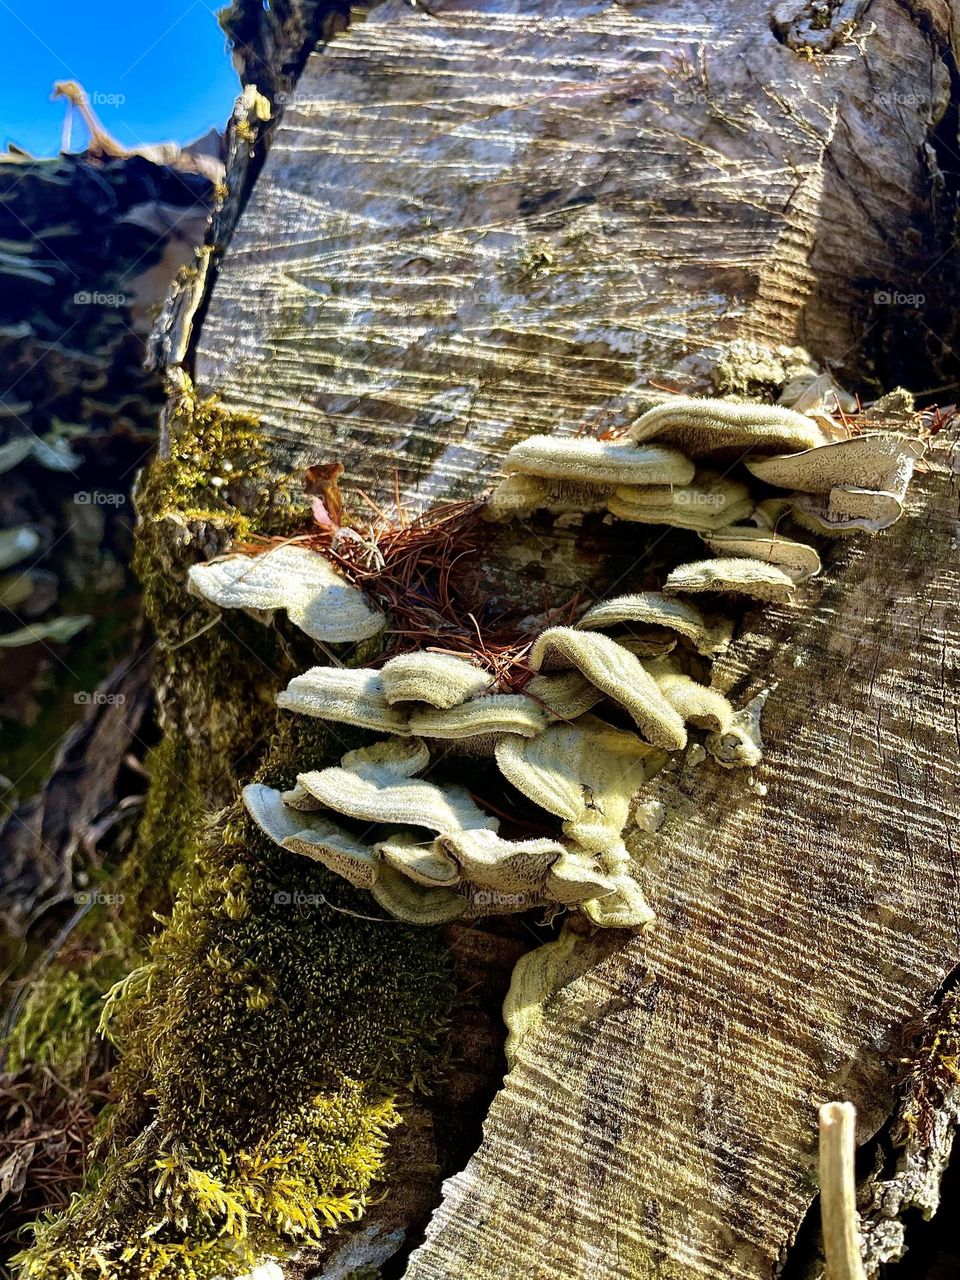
[(877, 460), (317, 599), (653, 608), (345, 695), (494, 713), (371, 789), (798, 559), (705, 426), (625, 908), (440, 679), (521, 495), (507, 866), (311, 836), (422, 861), (847, 510), (695, 703), (564, 696), (733, 576), (710, 501), (618, 674), (415, 903), (586, 772), (603, 462)]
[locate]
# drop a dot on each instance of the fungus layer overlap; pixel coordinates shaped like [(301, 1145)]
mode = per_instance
[(604, 701)]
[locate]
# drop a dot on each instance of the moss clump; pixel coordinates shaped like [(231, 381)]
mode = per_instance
[(262, 1049), (57, 1022), (166, 843), (217, 677)]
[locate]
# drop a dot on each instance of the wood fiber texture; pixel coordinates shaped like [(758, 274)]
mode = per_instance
[(496, 218), (482, 219), (662, 1123)]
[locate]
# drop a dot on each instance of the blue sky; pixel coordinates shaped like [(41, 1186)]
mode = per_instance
[(155, 70)]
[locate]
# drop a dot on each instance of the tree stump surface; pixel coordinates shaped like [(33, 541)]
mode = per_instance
[(477, 222)]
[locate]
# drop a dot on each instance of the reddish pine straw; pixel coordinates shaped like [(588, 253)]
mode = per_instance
[(425, 573)]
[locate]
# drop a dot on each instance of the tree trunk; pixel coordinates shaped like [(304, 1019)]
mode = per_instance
[(480, 221)]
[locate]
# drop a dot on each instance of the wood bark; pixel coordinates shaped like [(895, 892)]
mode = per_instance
[(478, 221)]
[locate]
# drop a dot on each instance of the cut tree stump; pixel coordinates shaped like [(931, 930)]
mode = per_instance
[(663, 1122), (481, 220)]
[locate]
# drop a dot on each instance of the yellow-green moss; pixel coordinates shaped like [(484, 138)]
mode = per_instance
[(268, 1033), (57, 1022), (166, 843)]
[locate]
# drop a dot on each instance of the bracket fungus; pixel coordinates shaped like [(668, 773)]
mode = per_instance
[(521, 495), (711, 501), (734, 576), (427, 849), (366, 786), (311, 835), (703, 427), (797, 559), (345, 695), (317, 599), (847, 510), (876, 460), (585, 773), (463, 868), (616, 672), (564, 696), (440, 679), (694, 702), (740, 746), (536, 977), (598, 462), (652, 608), (491, 714)]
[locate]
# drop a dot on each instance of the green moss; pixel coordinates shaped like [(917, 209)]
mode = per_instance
[(218, 677), (273, 1028), (262, 1048), (166, 842), (57, 1022)]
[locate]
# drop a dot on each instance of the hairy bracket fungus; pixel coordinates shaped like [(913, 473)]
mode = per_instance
[(878, 460), (600, 462), (733, 576), (652, 608), (463, 867), (344, 695), (711, 501), (797, 559), (317, 599), (440, 679), (704, 427), (617, 673)]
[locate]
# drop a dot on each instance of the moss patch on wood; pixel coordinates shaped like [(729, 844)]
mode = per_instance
[(273, 1031)]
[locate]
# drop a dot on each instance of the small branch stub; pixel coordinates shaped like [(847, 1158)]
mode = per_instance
[(838, 1206)]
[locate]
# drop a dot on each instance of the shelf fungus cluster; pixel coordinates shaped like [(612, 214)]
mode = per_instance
[(612, 697), (598, 719), (719, 467)]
